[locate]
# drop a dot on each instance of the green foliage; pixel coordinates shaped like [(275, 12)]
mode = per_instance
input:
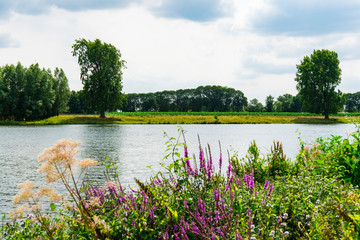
[(269, 104), (32, 93), (288, 103), (62, 92), (317, 77), (352, 103), (203, 98), (101, 73), (255, 106)]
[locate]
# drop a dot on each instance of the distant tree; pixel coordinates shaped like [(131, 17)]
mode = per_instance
[(269, 104), (317, 77), (203, 98), (288, 103), (101, 73), (255, 106), (352, 103)]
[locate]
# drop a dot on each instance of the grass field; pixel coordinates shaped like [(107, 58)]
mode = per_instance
[(191, 118)]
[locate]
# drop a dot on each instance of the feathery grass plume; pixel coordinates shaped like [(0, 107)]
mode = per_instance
[(18, 212), (25, 193), (58, 160), (87, 162)]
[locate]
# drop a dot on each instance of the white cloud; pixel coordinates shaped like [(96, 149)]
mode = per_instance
[(174, 53)]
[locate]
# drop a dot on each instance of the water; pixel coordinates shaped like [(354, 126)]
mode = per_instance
[(134, 147)]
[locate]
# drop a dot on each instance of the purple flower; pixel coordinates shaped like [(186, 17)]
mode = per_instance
[(266, 184), (186, 152), (271, 188), (165, 235)]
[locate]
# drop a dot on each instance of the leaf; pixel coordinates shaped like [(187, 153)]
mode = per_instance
[(52, 206)]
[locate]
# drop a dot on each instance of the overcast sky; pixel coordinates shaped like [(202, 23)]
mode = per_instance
[(252, 46)]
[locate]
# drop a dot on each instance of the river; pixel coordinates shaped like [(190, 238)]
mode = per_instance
[(135, 147)]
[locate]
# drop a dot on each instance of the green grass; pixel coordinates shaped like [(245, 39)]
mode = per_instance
[(191, 118)]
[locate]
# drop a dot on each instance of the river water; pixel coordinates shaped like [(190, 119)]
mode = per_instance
[(135, 147)]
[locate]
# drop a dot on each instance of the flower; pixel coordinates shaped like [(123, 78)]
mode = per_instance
[(87, 162), (25, 193), (18, 213)]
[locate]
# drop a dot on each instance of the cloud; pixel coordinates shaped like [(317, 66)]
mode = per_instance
[(274, 67), (6, 41), (79, 5), (194, 10), (35, 7), (307, 17)]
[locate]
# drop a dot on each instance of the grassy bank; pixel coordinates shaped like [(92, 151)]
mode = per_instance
[(191, 118), (315, 196)]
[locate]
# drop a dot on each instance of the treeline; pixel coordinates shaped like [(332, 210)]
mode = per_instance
[(206, 99), (32, 93), (203, 98)]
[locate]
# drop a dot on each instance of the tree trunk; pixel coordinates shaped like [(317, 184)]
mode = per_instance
[(102, 114), (326, 116)]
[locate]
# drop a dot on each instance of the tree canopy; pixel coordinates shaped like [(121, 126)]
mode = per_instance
[(203, 98), (317, 77), (101, 73), (32, 93)]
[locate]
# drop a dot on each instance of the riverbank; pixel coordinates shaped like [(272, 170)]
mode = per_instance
[(189, 118)]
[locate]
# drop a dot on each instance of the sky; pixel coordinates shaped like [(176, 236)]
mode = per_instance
[(252, 46)]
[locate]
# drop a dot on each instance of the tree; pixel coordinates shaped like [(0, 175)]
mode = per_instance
[(317, 77), (62, 92), (269, 104), (255, 106), (352, 103), (101, 73)]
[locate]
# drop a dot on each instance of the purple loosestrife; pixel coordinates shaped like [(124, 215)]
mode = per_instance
[(210, 166), (202, 160), (229, 170), (238, 236), (271, 188)]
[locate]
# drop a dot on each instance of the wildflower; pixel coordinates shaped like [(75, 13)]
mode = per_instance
[(271, 188), (25, 193), (286, 233), (87, 162), (266, 184), (285, 216), (272, 233), (165, 235), (57, 160), (248, 212), (49, 192), (18, 213)]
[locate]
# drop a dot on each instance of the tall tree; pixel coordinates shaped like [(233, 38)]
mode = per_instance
[(62, 92), (317, 77), (269, 104), (101, 73)]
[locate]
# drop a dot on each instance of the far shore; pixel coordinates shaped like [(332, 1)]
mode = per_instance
[(188, 118)]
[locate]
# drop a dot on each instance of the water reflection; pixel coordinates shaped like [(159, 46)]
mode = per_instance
[(101, 142)]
